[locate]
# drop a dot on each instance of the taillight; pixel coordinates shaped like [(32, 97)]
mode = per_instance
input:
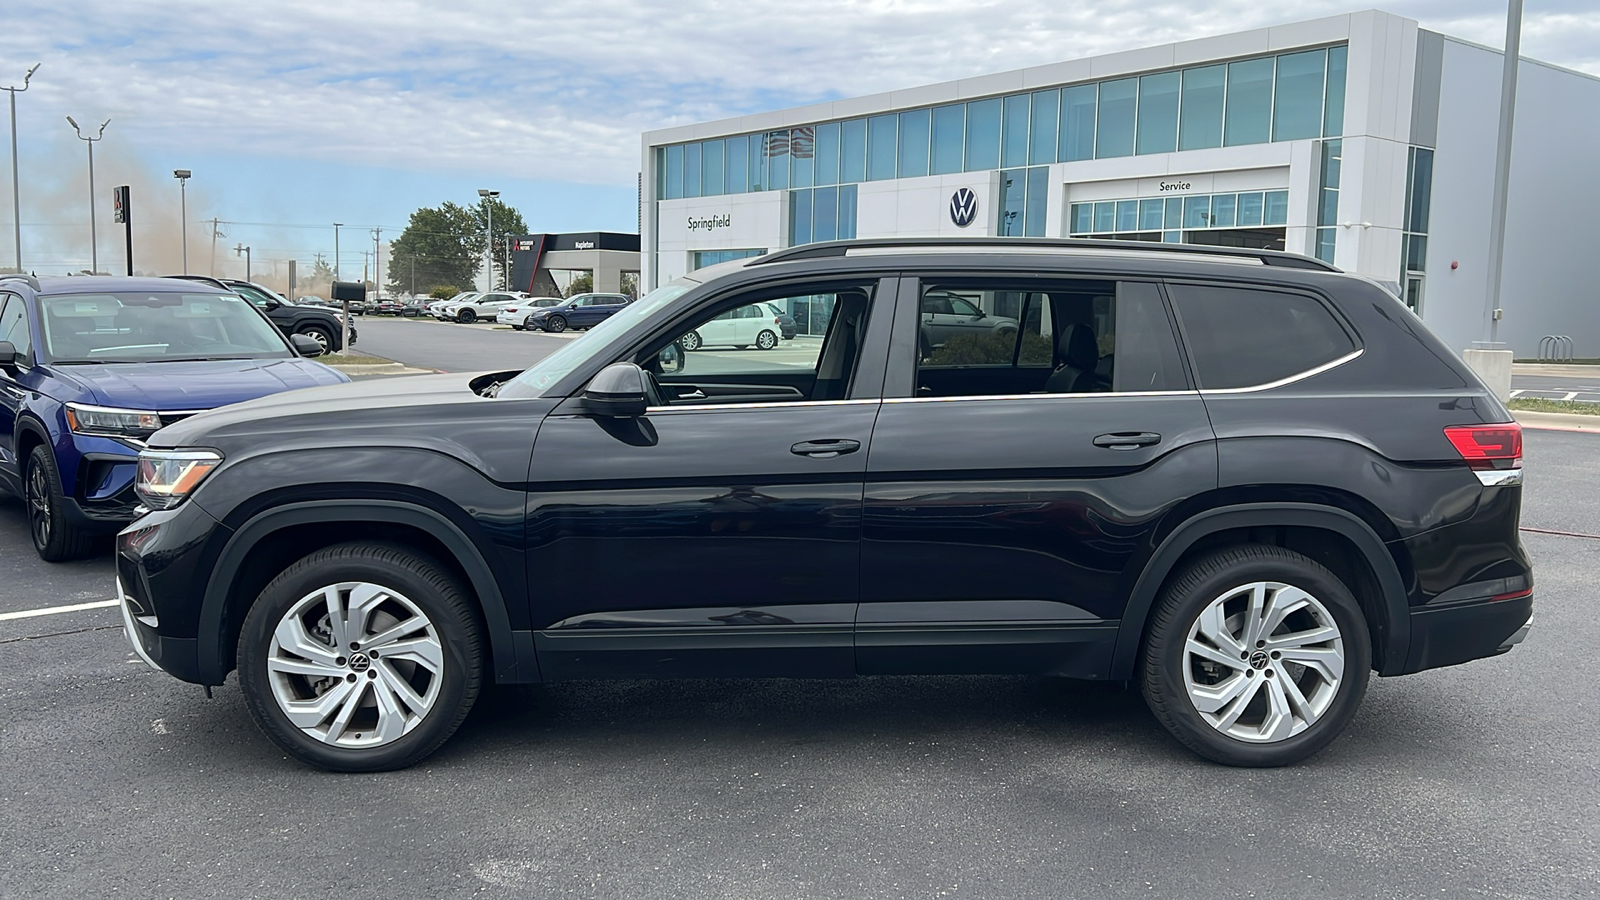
[(1487, 446)]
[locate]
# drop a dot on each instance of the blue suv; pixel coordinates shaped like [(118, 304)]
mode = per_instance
[(90, 367)]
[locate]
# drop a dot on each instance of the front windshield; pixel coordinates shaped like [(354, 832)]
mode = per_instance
[(545, 373), (155, 327)]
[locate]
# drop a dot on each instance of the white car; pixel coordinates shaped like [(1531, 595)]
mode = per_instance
[(741, 327), (436, 306), (483, 306), (516, 315)]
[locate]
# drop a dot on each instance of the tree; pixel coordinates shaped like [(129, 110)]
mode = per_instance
[(445, 245), (583, 284), (507, 221), (443, 292)]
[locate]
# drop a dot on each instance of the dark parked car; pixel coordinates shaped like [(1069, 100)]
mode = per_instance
[(91, 367), (579, 311), (1240, 479), (320, 324), (415, 307), (783, 320), (388, 306)]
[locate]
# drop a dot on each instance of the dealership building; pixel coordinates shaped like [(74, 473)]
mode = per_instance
[(1361, 139)]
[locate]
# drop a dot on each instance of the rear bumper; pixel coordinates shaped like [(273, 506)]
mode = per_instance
[(1466, 631)]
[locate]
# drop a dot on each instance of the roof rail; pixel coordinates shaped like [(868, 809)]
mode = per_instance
[(203, 279), (21, 276), (828, 249)]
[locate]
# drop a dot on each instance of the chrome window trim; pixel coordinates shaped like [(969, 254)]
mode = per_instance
[(1331, 364), (774, 405), (1043, 396)]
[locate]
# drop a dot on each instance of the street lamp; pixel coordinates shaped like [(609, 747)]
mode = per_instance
[(336, 227), (16, 202), (94, 231), (488, 230), (238, 249), (183, 206)]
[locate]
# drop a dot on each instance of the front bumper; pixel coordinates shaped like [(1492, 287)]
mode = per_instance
[(164, 563)]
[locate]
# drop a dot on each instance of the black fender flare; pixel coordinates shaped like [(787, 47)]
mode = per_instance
[(1395, 629), (509, 665)]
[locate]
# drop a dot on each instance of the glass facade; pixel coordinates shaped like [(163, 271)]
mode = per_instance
[(1291, 96), (1024, 198), (1414, 239), (822, 214), (1174, 215), (1328, 201), (703, 258)]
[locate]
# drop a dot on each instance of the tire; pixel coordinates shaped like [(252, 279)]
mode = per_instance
[(766, 340), (321, 335), (515, 327), (1189, 657), (691, 341), (466, 316), (555, 324), (54, 538), (408, 584)]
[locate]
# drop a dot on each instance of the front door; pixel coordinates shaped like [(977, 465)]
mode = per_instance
[(13, 328), (1013, 482), (720, 532)]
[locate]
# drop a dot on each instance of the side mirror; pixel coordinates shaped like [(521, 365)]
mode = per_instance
[(269, 305), (305, 345), (670, 360), (8, 355), (617, 392)]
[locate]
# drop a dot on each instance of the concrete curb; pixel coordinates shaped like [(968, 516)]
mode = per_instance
[(1556, 370), (1557, 421)]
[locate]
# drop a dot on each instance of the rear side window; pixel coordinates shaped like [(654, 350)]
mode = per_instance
[(1240, 337)]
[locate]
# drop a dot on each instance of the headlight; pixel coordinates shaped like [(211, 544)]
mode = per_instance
[(104, 421), (166, 477)]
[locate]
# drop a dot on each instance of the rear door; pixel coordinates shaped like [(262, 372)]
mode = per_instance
[(13, 328), (1009, 492)]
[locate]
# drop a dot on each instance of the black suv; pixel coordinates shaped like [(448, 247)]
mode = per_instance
[(321, 325), (1239, 478)]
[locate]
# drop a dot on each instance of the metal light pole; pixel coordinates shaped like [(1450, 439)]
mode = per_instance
[(242, 249), (336, 227), (94, 230), (16, 200), (183, 206), (377, 267), (1502, 164), (488, 231)]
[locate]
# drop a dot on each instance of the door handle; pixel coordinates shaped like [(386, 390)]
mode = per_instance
[(827, 448), (1127, 440)]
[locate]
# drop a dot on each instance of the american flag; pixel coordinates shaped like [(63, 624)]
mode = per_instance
[(799, 141)]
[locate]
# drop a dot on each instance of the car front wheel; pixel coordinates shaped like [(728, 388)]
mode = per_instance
[(54, 538), (361, 657), (321, 335), (555, 324), (466, 317), (1256, 656)]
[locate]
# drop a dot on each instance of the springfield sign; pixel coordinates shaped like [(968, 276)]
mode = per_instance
[(710, 223)]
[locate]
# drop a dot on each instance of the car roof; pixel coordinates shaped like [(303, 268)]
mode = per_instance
[(50, 285)]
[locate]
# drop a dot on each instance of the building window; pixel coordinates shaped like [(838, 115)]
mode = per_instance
[(1024, 201), (699, 259), (1328, 201), (1158, 112), (1414, 239), (1149, 218), (822, 214), (1292, 96)]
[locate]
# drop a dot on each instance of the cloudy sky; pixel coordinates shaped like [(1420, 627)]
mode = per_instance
[(293, 114)]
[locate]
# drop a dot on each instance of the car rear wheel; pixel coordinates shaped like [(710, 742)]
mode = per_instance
[(466, 316), (691, 341), (319, 334), (555, 324), (766, 340), (54, 538), (1256, 656), (361, 657)]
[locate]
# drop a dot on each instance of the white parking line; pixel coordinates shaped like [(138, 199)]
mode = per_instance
[(1571, 395), (54, 610), (1516, 394)]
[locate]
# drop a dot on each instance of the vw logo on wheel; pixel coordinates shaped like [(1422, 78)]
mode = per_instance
[(963, 207)]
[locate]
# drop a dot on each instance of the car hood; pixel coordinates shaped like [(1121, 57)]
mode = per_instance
[(175, 386)]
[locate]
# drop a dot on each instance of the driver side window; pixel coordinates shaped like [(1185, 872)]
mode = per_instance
[(736, 351)]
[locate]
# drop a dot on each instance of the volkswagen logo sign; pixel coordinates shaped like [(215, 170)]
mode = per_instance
[(963, 207)]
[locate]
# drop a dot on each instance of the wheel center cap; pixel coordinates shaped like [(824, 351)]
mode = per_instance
[(360, 663), (1258, 660)]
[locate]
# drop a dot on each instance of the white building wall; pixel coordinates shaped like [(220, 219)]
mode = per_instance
[(728, 222), (1549, 285)]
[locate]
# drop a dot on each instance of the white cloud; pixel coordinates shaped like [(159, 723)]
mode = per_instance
[(561, 91)]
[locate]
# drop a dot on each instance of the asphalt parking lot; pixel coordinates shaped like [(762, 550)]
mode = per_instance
[(1478, 781)]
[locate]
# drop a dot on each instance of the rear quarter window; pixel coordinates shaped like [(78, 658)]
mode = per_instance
[(1243, 337)]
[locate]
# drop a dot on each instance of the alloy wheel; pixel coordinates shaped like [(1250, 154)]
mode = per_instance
[(40, 520), (691, 341), (321, 337), (555, 323), (355, 665), (766, 340), (1263, 662)]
